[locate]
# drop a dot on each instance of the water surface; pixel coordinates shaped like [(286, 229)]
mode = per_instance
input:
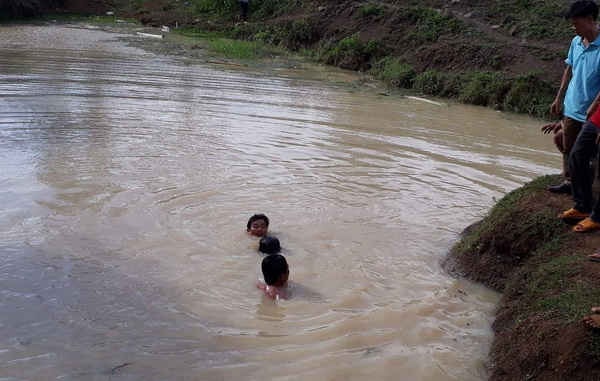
[(126, 182)]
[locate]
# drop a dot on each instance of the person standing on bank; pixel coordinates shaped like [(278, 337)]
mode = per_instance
[(586, 54), (580, 82), (244, 5)]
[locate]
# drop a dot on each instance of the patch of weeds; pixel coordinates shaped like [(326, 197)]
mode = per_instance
[(215, 6), (237, 49), (269, 8), (484, 89), (553, 275), (430, 24), (442, 84), (370, 10), (351, 53), (572, 303), (198, 33), (541, 226), (394, 72), (530, 94), (430, 82)]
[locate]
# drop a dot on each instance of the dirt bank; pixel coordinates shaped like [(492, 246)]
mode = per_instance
[(524, 251), (504, 54)]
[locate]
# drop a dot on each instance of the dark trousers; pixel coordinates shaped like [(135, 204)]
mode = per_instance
[(571, 128), (244, 10), (582, 177)]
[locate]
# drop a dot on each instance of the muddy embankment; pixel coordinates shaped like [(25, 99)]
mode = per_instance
[(524, 251), (504, 54)]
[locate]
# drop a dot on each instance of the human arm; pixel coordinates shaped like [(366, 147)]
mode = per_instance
[(552, 127), (557, 105)]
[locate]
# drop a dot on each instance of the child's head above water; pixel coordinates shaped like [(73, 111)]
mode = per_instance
[(258, 225), (275, 270), (269, 245)]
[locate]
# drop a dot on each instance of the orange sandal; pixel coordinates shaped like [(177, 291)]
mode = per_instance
[(573, 215), (587, 225)]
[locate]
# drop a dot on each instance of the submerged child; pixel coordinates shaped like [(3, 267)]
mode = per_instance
[(269, 245), (258, 225), (276, 273)]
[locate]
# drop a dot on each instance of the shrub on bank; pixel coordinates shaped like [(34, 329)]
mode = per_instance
[(351, 53), (484, 89), (394, 72)]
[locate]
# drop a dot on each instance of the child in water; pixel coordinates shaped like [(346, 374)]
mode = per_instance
[(276, 273), (258, 225), (269, 245)]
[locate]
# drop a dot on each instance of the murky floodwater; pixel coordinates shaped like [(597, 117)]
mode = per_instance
[(126, 182)]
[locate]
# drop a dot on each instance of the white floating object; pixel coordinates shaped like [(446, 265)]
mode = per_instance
[(165, 29), (109, 13), (425, 100), (150, 35)]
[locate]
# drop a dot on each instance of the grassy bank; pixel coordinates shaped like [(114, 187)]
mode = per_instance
[(523, 250), (434, 48), (505, 54)]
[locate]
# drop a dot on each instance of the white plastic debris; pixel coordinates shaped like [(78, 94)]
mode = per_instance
[(149, 35)]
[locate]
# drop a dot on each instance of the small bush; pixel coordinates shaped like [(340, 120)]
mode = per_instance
[(394, 72), (351, 53), (369, 10), (484, 89), (530, 94), (216, 6), (431, 82), (430, 24)]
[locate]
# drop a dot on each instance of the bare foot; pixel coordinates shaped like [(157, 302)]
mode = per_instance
[(592, 321), (594, 257)]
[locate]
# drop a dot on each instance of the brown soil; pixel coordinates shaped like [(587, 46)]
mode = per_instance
[(482, 48), (534, 343)]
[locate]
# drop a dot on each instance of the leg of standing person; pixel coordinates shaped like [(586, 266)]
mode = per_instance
[(571, 129), (582, 179)]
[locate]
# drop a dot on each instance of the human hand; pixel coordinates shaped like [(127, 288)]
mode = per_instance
[(552, 127)]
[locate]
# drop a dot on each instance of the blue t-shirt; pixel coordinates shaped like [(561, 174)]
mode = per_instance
[(585, 82)]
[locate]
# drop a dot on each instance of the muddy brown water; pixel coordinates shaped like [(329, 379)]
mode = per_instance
[(126, 181)]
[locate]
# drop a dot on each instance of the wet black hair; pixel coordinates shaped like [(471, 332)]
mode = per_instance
[(273, 267), (583, 8), (257, 217), (269, 245)]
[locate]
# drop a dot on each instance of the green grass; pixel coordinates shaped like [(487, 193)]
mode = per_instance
[(370, 10), (541, 226), (572, 302), (394, 72), (351, 53), (531, 17), (243, 50), (484, 89), (430, 24)]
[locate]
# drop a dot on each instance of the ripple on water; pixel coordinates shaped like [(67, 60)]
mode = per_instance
[(128, 179)]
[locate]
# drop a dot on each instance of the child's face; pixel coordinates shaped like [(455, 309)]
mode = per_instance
[(258, 228)]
